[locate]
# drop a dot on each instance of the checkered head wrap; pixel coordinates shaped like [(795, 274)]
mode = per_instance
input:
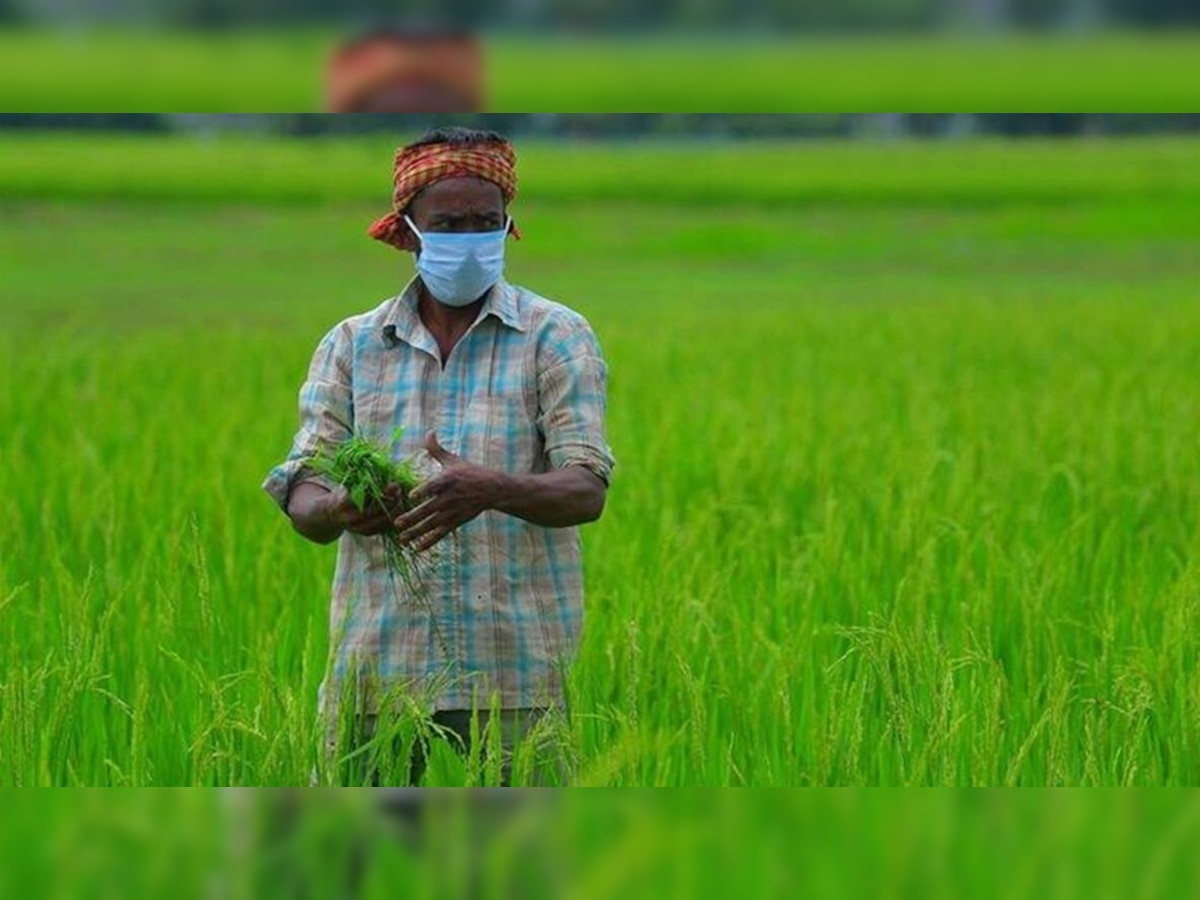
[(419, 167)]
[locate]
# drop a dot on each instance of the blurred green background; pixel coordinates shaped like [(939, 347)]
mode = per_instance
[(101, 69)]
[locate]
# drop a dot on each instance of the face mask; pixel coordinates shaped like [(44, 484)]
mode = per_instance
[(459, 267)]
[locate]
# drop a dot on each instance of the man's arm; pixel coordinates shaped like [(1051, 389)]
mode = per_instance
[(569, 496), (560, 498), (311, 513)]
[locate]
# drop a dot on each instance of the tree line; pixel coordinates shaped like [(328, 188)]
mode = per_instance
[(599, 126), (753, 15)]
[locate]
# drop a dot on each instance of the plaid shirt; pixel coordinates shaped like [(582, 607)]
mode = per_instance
[(522, 391)]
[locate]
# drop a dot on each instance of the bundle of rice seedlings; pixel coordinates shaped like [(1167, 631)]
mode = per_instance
[(366, 470)]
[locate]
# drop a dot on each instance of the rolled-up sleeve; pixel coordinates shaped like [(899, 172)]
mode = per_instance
[(326, 417), (572, 400)]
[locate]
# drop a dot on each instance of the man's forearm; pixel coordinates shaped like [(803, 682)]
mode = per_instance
[(557, 499), (308, 508)]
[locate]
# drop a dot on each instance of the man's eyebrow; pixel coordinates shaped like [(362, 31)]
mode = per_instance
[(460, 217)]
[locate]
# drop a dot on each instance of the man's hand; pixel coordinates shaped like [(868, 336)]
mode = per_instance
[(452, 498), (321, 514), (374, 519)]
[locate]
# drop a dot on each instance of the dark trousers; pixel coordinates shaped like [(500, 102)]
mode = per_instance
[(455, 724)]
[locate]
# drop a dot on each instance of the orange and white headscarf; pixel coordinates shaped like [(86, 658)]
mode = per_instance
[(419, 167)]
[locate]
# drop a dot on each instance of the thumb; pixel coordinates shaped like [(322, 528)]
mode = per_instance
[(437, 451)]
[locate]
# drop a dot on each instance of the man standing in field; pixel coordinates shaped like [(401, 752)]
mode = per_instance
[(501, 397)]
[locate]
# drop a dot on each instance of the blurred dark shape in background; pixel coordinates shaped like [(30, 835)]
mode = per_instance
[(414, 67), (625, 15), (632, 126)]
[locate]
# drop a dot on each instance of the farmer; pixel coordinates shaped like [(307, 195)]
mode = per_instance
[(501, 397)]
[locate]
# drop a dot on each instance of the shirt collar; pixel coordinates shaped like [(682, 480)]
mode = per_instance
[(502, 303), (402, 321)]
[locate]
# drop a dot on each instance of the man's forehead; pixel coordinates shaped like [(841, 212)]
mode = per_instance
[(453, 194)]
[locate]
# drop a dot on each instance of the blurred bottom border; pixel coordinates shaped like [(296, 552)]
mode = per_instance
[(240, 842)]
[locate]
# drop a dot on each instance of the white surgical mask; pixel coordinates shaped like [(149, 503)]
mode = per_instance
[(459, 267)]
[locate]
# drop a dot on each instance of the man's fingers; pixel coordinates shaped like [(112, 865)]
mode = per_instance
[(393, 502), (370, 523), (381, 520), (426, 489), (431, 538), (434, 448), (415, 532), (417, 520), (414, 515)]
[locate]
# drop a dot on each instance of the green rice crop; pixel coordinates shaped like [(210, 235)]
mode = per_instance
[(906, 487), (233, 170)]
